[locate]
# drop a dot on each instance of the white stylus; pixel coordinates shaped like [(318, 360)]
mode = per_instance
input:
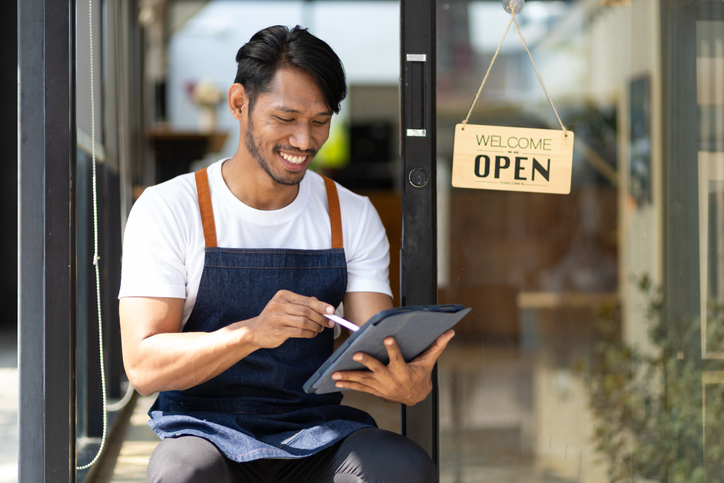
[(343, 322)]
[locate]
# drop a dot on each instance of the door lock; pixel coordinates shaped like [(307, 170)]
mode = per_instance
[(418, 177)]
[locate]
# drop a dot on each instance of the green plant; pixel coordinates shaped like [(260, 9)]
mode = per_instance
[(649, 405)]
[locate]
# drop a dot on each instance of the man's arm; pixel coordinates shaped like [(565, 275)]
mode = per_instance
[(398, 381), (359, 307), (159, 357)]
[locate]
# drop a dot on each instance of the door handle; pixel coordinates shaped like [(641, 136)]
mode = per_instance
[(415, 95)]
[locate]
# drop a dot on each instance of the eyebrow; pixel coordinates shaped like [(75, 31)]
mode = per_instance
[(296, 111)]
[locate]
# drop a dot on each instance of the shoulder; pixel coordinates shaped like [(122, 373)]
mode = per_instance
[(181, 189), (361, 224), (351, 203), (166, 212), (175, 198), (159, 238)]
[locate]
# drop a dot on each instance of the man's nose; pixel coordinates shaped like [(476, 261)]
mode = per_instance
[(301, 137)]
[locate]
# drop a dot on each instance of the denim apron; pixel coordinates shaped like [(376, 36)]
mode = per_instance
[(257, 408)]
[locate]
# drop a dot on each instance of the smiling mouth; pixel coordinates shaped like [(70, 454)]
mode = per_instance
[(294, 159)]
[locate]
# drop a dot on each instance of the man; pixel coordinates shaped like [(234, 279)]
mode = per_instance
[(227, 275)]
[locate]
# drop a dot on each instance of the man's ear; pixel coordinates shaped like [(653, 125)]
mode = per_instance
[(238, 100)]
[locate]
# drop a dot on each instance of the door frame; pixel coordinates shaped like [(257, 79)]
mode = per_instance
[(418, 150)]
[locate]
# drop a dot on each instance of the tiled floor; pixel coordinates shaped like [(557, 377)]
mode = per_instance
[(138, 444)]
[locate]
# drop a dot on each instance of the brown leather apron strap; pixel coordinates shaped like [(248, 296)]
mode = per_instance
[(207, 212), (335, 216)]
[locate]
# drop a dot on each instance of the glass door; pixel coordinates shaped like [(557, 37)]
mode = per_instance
[(593, 351)]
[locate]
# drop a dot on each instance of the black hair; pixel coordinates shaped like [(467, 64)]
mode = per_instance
[(276, 47)]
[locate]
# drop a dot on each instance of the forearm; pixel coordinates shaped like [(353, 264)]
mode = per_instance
[(158, 356), (181, 360)]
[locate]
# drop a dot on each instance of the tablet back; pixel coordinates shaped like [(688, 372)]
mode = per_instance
[(414, 329)]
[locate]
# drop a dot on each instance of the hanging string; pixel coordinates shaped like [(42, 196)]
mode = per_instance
[(512, 20), (475, 101), (538, 73), (96, 257)]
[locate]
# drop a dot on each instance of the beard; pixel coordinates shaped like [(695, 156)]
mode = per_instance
[(286, 178)]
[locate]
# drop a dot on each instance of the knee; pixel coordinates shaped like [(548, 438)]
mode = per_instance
[(413, 464), (187, 460), (390, 457)]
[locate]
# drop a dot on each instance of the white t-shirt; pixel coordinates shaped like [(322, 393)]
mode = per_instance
[(163, 246)]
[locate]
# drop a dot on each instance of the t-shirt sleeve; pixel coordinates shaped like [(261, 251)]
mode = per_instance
[(153, 250), (369, 261)]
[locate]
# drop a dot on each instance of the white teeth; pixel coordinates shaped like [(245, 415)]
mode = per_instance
[(293, 159)]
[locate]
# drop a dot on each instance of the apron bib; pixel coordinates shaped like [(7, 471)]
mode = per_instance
[(257, 408)]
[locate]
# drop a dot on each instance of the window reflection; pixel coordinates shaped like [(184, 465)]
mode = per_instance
[(594, 349)]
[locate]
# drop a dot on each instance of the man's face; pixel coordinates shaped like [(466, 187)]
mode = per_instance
[(287, 126)]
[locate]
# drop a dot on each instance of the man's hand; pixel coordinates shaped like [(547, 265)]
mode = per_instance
[(289, 315), (398, 381), (158, 356)]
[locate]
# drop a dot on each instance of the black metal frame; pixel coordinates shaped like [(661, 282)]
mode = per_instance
[(418, 149), (681, 220), (681, 186), (46, 240)]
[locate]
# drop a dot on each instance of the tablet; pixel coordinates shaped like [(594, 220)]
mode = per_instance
[(414, 328)]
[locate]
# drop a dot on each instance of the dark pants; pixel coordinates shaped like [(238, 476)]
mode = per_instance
[(367, 455)]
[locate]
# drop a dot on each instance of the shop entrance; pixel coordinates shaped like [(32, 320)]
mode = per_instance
[(594, 348)]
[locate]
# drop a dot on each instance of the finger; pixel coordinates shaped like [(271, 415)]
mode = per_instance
[(310, 316), (298, 311), (347, 379), (369, 362), (358, 386), (442, 341), (292, 325), (300, 333), (304, 322), (290, 316), (394, 352), (434, 351), (312, 302), (277, 333), (310, 307)]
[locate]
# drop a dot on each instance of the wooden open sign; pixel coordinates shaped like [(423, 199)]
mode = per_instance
[(512, 159)]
